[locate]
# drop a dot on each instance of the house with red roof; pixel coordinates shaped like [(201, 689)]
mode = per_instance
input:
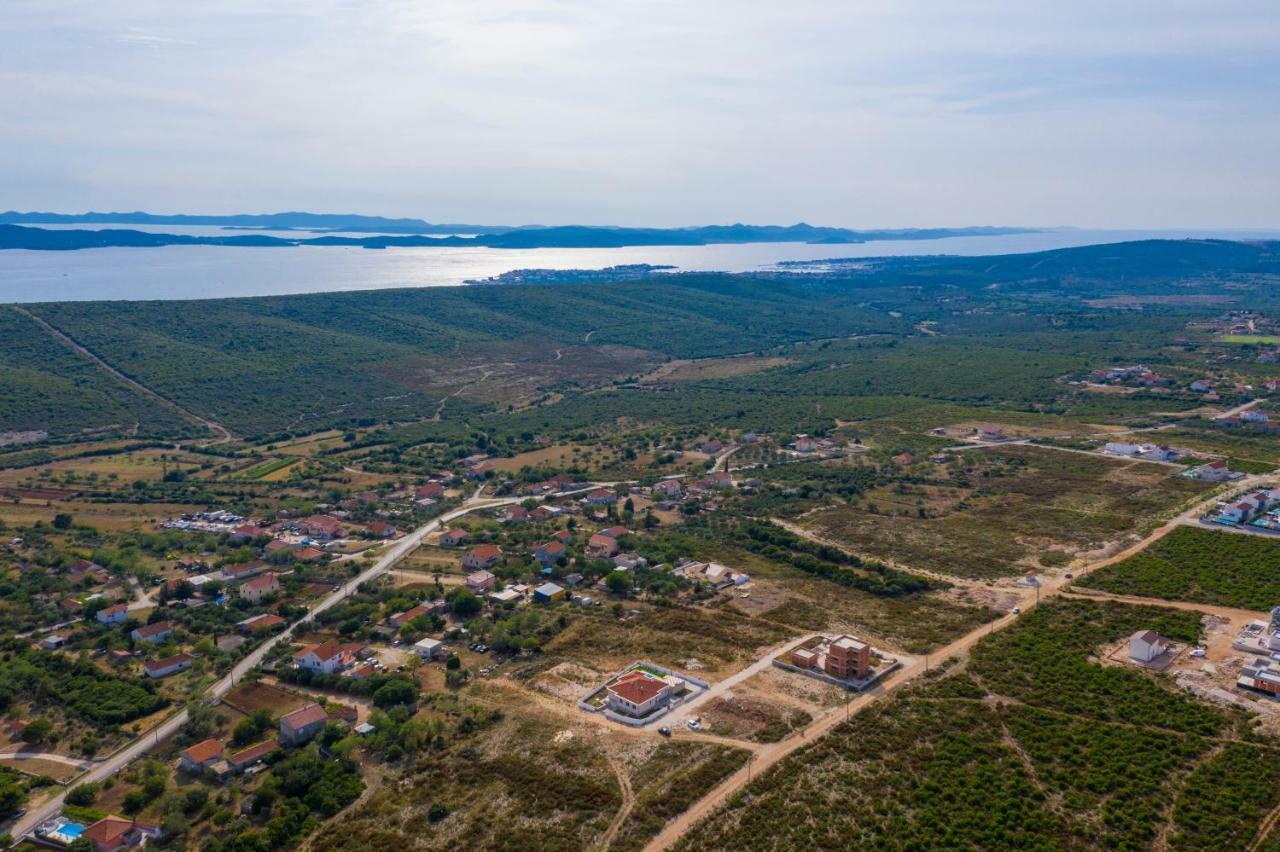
[(113, 614), (298, 727), (153, 633), (482, 557), (638, 694), (168, 665), (325, 658), (455, 537), (259, 587), (201, 756), (322, 527), (551, 553), (601, 546), (259, 624), (112, 832)]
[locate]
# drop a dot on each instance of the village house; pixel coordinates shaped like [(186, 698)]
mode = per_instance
[(549, 554), (259, 624), (244, 571), (637, 694), (248, 532), (117, 614), (481, 581), (168, 665), (112, 833), (252, 756), (601, 497), (382, 529), (543, 513), (308, 554), (325, 658), (201, 756), (432, 491), (300, 726), (668, 488), (712, 447), (455, 537), (153, 633), (430, 608), (322, 527), (990, 432), (71, 606), (804, 444), (1146, 645), (602, 546), (1216, 471), (513, 515), (482, 557), (259, 587), (629, 561)]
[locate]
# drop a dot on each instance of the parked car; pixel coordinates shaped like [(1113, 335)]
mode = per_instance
[(1016, 610), (665, 731)]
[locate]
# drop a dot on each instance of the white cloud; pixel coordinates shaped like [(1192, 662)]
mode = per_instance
[(864, 113)]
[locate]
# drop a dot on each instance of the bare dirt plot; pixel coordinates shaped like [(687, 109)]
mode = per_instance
[(713, 368), (58, 771), (247, 697)]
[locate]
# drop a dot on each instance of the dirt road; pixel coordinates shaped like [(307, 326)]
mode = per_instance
[(224, 434)]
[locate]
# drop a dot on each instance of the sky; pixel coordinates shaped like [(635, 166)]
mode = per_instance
[(903, 113)]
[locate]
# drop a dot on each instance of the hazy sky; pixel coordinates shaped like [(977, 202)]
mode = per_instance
[(847, 112)]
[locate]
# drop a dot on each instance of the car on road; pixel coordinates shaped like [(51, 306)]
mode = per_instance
[(1197, 652), (1016, 610)]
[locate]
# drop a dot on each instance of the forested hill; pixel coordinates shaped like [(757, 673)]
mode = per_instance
[(569, 236), (1137, 261), (301, 363)]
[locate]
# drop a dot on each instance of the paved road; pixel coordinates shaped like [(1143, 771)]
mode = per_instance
[(170, 726)]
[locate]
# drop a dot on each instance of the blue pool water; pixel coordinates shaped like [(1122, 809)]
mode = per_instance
[(71, 829)]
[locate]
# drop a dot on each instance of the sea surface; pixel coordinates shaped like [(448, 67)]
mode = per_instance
[(205, 272)]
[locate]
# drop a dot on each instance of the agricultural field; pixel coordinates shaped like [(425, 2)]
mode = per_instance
[(1199, 566), (998, 509), (1034, 746)]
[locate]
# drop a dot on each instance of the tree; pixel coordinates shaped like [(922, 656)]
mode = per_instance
[(83, 795), (395, 691), (618, 582), (37, 731), (62, 521), (463, 603)]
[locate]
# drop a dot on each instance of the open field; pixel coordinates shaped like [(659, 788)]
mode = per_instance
[(1034, 746), (1006, 506), (1199, 566), (1259, 339)]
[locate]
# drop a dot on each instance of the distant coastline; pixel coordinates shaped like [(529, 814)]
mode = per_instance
[(22, 231)]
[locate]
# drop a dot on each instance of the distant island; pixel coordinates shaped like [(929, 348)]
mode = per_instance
[(21, 231)]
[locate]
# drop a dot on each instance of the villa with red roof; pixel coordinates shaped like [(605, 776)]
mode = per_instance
[(638, 694)]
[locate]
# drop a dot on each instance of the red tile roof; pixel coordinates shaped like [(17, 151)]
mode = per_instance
[(637, 688), (485, 552), (324, 651), (305, 715), (253, 753), (201, 752)]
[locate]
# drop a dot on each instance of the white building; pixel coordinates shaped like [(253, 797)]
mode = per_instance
[(1147, 645), (429, 649)]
